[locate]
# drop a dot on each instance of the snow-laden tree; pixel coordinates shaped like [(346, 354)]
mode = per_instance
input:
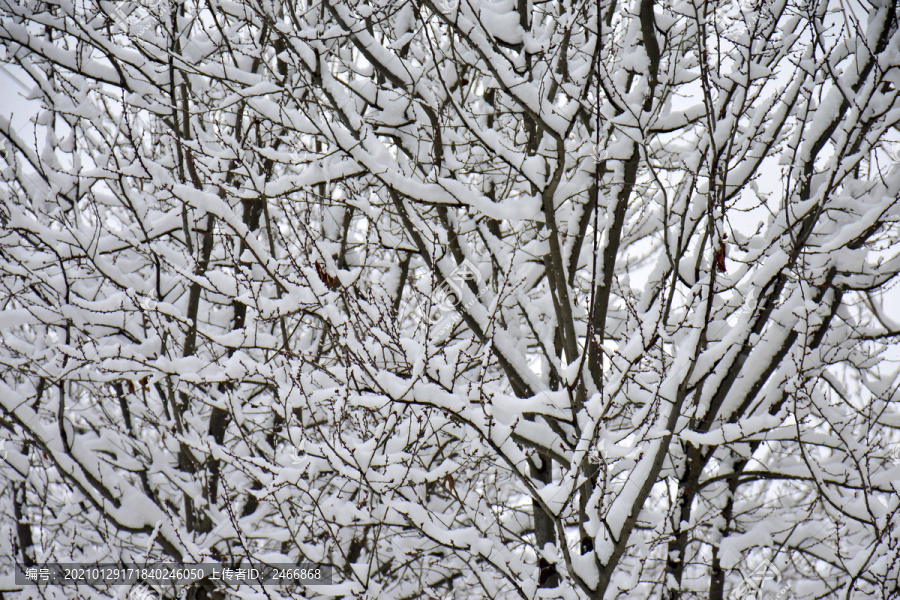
[(495, 299)]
